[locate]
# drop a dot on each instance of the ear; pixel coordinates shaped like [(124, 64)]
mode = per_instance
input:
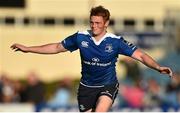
[(107, 23)]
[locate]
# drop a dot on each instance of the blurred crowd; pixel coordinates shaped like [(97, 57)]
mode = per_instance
[(134, 91), (15, 91), (139, 93)]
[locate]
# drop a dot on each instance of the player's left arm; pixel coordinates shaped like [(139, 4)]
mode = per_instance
[(150, 62)]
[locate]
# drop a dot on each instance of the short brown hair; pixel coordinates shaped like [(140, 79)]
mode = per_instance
[(100, 11)]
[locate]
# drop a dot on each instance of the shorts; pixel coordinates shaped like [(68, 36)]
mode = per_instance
[(88, 96)]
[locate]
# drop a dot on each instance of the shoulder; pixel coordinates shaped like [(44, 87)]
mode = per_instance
[(86, 32), (113, 36)]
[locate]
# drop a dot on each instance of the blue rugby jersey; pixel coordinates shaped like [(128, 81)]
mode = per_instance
[(98, 58)]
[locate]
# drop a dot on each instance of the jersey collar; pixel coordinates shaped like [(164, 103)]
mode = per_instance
[(94, 40)]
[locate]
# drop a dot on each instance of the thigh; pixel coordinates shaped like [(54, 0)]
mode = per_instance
[(104, 103), (87, 98), (110, 90), (106, 97)]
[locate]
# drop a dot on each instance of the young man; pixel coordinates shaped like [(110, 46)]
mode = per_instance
[(99, 51)]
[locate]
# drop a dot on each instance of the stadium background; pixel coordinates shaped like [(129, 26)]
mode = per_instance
[(153, 25)]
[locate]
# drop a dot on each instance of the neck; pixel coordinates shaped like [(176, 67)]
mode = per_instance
[(98, 37)]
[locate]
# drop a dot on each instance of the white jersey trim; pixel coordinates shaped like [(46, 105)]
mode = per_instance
[(113, 36), (91, 86), (84, 32), (98, 42), (88, 32)]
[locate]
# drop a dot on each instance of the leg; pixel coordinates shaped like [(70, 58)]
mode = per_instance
[(87, 98), (104, 104), (106, 98)]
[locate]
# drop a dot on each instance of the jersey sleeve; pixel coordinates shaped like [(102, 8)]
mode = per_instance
[(70, 43), (125, 47)]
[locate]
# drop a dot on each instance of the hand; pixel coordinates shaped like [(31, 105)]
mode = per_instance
[(19, 47), (166, 70)]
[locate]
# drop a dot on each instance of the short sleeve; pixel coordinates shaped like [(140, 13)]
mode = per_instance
[(125, 47), (70, 43)]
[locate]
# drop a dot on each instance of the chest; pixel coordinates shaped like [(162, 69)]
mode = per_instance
[(105, 51)]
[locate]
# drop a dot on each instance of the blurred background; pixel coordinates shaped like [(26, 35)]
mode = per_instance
[(33, 82)]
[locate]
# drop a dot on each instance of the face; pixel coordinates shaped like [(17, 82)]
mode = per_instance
[(98, 25)]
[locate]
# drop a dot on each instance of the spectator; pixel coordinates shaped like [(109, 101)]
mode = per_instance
[(35, 91), (154, 93), (1, 86), (61, 98), (133, 95), (133, 73), (18, 89), (172, 92), (7, 89)]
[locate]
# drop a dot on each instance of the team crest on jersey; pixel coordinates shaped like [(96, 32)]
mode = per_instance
[(109, 48), (84, 44)]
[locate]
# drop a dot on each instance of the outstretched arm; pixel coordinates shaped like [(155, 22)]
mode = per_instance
[(52, 48), (150, 62)]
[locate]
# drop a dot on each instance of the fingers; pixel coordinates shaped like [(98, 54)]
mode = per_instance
[(15, 48), (166, 70), (170, 73)]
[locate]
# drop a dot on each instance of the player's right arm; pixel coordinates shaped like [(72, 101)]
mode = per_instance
[(52, 48)]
